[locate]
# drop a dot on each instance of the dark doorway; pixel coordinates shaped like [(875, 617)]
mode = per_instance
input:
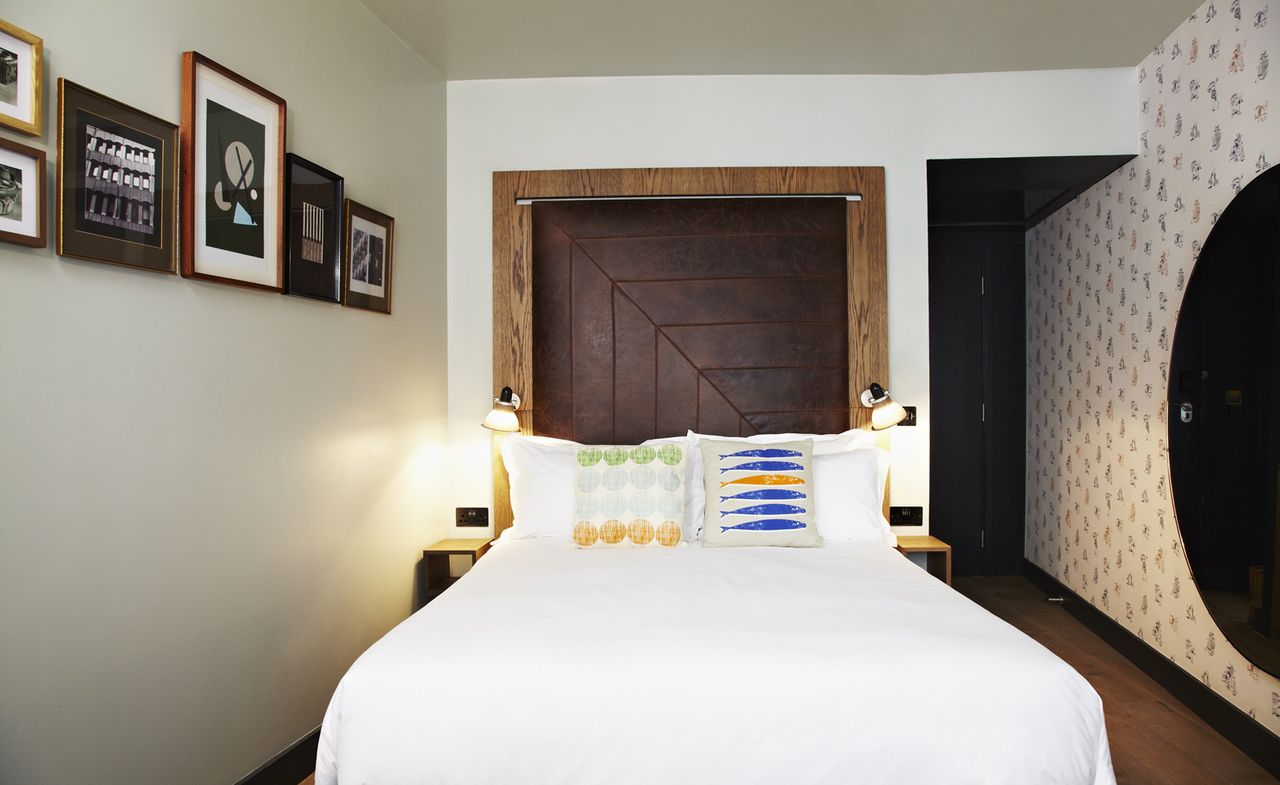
[(979, 212)]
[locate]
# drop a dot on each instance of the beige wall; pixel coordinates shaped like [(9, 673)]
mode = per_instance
[(898, 122), (212, 500)]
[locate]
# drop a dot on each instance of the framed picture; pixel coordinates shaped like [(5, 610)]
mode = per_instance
[(117, 182), (22, 194), (313, 247), (232, 177), (366, 259), (21, 75)]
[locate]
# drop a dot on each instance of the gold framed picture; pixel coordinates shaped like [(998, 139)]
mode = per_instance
[(21, 80)]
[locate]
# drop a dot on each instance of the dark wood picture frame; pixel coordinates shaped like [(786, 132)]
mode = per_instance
[(354, 298), (36, 126), (78, 243), (305, 277), (191, 144), (41, 239)]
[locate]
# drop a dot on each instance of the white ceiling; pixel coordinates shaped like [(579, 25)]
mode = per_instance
[(491, 39)]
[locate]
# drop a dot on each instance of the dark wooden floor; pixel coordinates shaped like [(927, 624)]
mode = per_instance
[(1154, 738)]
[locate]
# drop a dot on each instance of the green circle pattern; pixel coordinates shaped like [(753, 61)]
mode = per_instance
[(643, 454), (670, 454), (615, 456), (589, 456)]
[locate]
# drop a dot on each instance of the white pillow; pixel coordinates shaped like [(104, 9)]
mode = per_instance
[(695, 503), (848, 495), (542, 472)]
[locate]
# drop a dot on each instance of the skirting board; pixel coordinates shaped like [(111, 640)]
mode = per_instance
[(291, 766), (1236, 726)]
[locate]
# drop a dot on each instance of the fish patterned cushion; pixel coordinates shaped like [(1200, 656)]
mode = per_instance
[(629, 496), (759, 494)]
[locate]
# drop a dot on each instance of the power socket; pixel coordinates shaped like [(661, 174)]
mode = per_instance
[(473, 516), (906, 516), (910, 419)]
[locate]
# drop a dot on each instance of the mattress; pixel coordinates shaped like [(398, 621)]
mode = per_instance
[(840, 664)]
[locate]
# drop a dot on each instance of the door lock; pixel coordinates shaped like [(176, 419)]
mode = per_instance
[(1186, 411)]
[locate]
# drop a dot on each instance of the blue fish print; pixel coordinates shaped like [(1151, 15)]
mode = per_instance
[(766, 525), (765, 466), (769, 453), (765, 494), (765, 509)]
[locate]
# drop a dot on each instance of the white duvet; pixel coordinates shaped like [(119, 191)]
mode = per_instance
[(781, 666)]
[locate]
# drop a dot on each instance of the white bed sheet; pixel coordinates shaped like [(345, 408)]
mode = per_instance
[(841, 664)]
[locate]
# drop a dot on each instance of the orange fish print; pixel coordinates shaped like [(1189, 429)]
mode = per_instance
[(765, 479)]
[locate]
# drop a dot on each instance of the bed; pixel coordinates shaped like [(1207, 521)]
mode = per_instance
[(750, 318), (839, 664)]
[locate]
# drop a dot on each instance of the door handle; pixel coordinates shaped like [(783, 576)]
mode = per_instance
[(1186, 412)]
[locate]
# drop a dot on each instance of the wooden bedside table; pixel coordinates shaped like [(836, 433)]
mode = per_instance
[(435, 558), (937, 553)]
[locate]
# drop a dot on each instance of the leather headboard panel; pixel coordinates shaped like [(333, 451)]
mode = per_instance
[(653, 317)]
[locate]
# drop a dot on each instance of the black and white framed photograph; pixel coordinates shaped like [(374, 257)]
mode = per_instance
[(233, 209), (117, 182), (21, 80), (22, 194), (313, 248), (367, 258)]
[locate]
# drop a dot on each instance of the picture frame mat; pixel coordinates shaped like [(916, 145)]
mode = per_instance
[(359, 223), (112, 111), (22, 110), (212, 85)]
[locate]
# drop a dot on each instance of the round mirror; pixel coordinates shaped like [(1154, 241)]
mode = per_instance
[(1224, 421)]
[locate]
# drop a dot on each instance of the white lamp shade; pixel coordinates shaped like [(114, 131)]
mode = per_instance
[(887, 414), (502, 418)]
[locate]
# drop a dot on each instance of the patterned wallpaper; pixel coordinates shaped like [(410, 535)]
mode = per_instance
[(1105, 279)]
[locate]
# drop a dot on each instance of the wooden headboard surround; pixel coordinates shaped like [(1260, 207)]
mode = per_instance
[(618, 321)]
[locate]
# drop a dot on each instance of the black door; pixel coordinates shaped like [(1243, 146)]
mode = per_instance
[(977, 379), (979, 212)]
